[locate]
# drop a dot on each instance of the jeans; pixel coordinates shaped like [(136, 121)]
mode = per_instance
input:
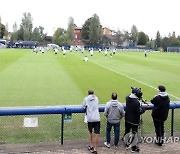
[(116, 132), (159, 129)]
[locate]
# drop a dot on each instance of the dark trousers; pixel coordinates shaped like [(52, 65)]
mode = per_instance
[(134, 128), (116, 132), (129, 127), (159, 129)]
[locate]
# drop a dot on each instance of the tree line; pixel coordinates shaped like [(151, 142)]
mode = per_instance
[(91, 34)]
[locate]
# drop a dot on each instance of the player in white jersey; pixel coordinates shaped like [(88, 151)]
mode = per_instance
[(85, 58), (70, 49), (64, 51), (55, 51), (42, 50), (91, 52), (105, 52), (82, 50)]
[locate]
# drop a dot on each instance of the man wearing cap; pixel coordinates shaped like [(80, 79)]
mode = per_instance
[(160, 113)]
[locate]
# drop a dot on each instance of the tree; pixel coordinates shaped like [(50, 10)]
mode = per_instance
[(15, 27), (14, 34), (91, 31), (37, 34), (2, 29), (6, 29), (20, 33), (165, 43), (158, 40), (85, 32), (174, 42), (150, 44), (106, 40), (60, 37), (26, 26), (119, 38), (95, 30), (174, 35), (134, 34), (142, 38), (70, 30)]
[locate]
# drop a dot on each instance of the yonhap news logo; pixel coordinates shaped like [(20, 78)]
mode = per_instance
[(150, 139), (132, 139)]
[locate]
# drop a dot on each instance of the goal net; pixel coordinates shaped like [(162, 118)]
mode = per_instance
[(173, 49)]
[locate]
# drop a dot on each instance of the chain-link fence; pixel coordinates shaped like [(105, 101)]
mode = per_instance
[(59, 127)]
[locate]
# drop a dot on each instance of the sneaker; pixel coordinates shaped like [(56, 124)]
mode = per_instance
[(159, 144), (91, 149), (135, 150), (115, 146), (128, 147), (107, 144)]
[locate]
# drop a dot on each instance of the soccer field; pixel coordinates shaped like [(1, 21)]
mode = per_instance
[(29, 79)]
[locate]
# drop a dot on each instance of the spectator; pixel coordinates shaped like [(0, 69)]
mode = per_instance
[(91, 103), (160, 113), (132, 118), (114, 111)]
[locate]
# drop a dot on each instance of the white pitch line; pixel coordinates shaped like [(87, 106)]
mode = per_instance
[(131, 78), (134, 79)]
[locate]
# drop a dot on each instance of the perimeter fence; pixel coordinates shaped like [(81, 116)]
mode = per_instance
[(57, 124)]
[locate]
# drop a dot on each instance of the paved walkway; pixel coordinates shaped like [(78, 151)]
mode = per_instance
[(80, 147)]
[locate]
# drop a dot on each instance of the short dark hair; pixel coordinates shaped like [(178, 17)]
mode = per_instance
[(90, 92), (161, 88), (114, 96)]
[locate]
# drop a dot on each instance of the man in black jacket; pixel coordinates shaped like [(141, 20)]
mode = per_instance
[(160, 113), (132, 118)]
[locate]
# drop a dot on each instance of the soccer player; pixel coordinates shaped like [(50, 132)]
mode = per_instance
[(91, 52), (55, 51), (85, 58), (105, 52), (70, 49), (114, 51), (42, 50), (82, 50), (64, 51)]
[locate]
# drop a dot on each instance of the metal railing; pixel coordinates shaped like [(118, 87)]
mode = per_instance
[(57, 122)]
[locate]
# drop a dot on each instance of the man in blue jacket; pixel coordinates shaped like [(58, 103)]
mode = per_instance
[(160, 113)]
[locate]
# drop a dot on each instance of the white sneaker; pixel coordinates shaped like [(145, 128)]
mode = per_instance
[(107, 144), (128, 147)]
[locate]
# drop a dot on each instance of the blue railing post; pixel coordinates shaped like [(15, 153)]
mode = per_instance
[(172, 122), (62, 129)]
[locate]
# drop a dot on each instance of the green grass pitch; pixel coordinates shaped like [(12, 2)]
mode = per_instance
[(29, 79)]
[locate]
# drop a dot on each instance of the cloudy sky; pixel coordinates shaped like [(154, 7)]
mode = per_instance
[(149, 16)]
